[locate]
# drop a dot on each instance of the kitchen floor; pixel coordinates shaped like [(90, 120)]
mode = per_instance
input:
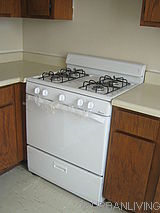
[(23, 192)]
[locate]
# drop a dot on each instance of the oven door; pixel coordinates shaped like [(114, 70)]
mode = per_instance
[(68, 134)]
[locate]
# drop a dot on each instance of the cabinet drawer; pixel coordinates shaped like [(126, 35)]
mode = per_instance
[(6, 95), (136, 124)]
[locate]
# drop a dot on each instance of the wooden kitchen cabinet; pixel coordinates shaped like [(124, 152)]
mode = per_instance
[(11, 133), (20, 120), (44, 9), (63, 9), (51, 9), (23, 101), (39, 8), (150, 15), (8, 140), (10, 8), (133, 160), (157, 198)]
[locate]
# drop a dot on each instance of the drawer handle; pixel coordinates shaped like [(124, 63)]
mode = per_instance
[(59, 167)]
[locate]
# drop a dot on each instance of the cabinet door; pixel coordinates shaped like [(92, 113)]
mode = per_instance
[(18, 93), (155, 11), (157, 198), (23, 92), (128, 166), (39, 8), (63, 9), (5, 8), (10, 8), (51, 9), (151, 13), (8, 147)]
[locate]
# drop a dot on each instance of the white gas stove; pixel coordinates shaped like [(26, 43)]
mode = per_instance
[(68, 121)]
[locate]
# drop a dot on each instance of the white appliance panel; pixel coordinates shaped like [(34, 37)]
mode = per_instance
[(99, 64), (101, 107), (73, 137), (70, 177)]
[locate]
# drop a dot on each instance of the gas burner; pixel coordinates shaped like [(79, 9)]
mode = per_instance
[(86, 84), (63, 75), (98, 88), (117, 82), (104, 78), (105, 85), (46, 75)]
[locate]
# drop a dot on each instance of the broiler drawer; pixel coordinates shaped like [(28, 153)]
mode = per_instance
[(65, 175), (135, 123)]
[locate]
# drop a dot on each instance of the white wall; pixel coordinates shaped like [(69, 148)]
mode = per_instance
[(108, 28), (11, 39)]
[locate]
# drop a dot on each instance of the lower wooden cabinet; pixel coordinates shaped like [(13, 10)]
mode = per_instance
[(8, 140), (157, 198), (133, 162), (23, 101), (129, 164), (11, 132)]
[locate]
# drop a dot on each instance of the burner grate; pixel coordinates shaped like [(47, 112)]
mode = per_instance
[(106, 84), (64, 75)]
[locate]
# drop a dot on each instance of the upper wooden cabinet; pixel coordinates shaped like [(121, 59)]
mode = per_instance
[(51, 9), (44, 9), (41, 9), (150, 15), (10, 8)]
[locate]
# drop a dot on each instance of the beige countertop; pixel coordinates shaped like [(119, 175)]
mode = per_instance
[(14, 72), (144, 98)]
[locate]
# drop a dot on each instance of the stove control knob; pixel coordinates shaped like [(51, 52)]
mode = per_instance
[(62, 97), (45, 92), (37, 90), (80, 102), (90, 105)]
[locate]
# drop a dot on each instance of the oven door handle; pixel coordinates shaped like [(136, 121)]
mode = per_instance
[(80, 112), (53, 106)]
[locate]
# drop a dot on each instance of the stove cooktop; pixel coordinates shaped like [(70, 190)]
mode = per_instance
[(96, 77), (78, 78)]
